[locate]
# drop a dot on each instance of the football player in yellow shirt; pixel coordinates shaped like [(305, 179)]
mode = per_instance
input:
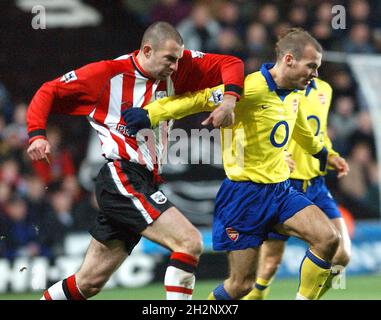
[(307, 178), (257, 197)]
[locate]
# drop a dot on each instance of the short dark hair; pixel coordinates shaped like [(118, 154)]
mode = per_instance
[(159, 32), (294, 40)]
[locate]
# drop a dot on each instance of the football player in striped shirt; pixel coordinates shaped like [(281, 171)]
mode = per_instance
[(307, 178), (257, 196), (127, 186)]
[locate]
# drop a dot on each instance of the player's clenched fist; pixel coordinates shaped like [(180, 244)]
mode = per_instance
[(39, 150)]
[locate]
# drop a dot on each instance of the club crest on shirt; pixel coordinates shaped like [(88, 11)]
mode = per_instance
[(160, 94), (322, 98), (295, 104), (68, 77), (159, 197), (232, 234)]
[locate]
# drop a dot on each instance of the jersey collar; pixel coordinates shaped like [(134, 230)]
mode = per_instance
[(138, 67), (282, 93), (311, 85)]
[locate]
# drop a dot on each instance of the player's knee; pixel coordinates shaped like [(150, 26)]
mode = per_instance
[(330, 243), (192, 243), (342, 258)]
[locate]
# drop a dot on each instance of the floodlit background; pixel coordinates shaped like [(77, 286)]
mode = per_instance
[(43, 232)]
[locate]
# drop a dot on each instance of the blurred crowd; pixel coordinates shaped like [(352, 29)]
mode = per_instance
[(41, 203)]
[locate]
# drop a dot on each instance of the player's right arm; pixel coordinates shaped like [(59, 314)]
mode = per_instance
[(75, 93)]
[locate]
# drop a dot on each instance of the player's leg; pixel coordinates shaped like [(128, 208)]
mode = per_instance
[(342, 255), (100, 261), (313, 226), (270, 257), (242, 270), (174, 231)]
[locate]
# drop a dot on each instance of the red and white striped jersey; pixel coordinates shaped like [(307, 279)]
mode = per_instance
[(102, 90)]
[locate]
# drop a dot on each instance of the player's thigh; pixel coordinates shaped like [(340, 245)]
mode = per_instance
[(172, 230), (272, 249), (101, 260), (310, 224), (243, 264)]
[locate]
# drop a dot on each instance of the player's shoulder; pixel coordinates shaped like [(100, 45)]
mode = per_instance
[(256, 81), (323, 85)]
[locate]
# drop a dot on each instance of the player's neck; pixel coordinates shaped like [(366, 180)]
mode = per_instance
[(278, 75), (143, 63)]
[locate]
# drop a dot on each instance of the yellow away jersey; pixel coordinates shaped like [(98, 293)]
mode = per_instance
[(316, 108), (265, 119)]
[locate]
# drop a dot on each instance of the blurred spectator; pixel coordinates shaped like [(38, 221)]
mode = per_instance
[(268, 15), (20, 232), (61, 162), (85, 212), (11, 175), (359, 11), (172, 11), (343, 122), (298, 16), (58, 221), (6, 106), (355, 183), (228, 16), (364, 132), (35, 196), (342, 83), (200, 30), (358, 40), (256, 41), (228, 42)]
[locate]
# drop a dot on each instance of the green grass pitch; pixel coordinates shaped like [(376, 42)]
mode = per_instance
[(357, 287)]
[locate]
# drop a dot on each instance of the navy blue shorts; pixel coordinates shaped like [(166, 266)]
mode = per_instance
[(246, 212), (319, 194)]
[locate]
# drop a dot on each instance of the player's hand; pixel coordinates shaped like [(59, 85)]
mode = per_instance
[(340, 164), (136, 119), (39, 150), (290, 162), (222, 116)]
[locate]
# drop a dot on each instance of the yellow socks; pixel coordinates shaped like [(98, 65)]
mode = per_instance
[(313, 274), (260, 291)]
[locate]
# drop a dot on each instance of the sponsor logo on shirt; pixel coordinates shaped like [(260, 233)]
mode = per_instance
[(232, 234), (159, 197), (197, 54), (68, 77), (160, 94), (217, 97)]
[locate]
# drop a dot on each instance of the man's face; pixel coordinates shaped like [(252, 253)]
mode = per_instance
[(301, 72), (163, 61)]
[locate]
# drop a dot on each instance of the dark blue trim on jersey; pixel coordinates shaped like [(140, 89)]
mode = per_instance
[(282, 93), (311, 85)]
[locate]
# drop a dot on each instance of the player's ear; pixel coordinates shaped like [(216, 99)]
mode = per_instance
[(288, 59), (147, 50)]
